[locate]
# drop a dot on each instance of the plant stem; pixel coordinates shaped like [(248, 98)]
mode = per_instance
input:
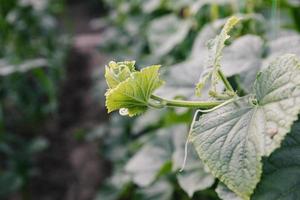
[(225, 81), (187, 104)]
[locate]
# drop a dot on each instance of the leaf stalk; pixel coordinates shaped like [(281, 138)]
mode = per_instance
[(225, 81), (187, 104)]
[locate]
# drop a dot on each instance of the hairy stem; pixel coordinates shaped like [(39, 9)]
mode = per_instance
[(225, 81), (188, 104)]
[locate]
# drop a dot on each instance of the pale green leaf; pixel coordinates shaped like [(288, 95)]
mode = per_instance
[(113, 188), (151, 5), (161, 190), (226, 141), (277, 90), (146, 164), (281, 174), (244, 58), (243, 55), (150, 118), (288, 43), (295, 3), (133, 93), (166, 32), (225, 194), (216, 47), (195, 176), (232, 139)]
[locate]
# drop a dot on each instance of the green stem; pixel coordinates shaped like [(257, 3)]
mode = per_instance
[(187, 104), (225, 81)]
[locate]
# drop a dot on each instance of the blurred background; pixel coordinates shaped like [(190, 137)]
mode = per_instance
[(56, 140)]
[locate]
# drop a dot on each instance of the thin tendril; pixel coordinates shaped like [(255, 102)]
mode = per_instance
[(215, 108), (187, 142), (194, 119), (185, 154)]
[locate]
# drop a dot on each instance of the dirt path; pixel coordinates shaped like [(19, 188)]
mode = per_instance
[(71, 169)]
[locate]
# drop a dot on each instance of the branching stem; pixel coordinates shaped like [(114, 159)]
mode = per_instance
[(225, 81)]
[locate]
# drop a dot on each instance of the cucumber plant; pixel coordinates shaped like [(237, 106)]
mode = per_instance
[(233, 134)]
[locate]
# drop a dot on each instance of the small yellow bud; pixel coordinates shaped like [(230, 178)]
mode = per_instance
[(112, 64)]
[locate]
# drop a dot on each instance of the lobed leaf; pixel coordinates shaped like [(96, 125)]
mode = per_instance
[(133, 93), (232, 139)]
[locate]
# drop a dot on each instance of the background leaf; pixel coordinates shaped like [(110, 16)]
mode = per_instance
[(281, 174), (166, 32)]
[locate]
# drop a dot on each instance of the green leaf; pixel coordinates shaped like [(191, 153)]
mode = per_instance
[(216, 47), (133, 93), (162, 190), (116, 73), (195, 176), (114, 187), (10, 182), (146, 164), (166, 32), (243, 55), (281, 174), (232, 139), (288, 43), (225, 194)]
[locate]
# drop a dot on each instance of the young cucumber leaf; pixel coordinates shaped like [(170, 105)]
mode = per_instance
[(216, 47), (281, 174), (232, 139), (133, 93), (116, 73)]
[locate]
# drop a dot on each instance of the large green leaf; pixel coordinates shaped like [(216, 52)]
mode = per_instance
[(166, 32), (288, 43), (243, 55), (146, 164), (232, 139), (225, 194), (133, 93), (195, 176), (213, 62), (162, 190), (281, 174)]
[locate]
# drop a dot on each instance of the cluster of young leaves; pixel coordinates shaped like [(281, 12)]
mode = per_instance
[(232, 139)]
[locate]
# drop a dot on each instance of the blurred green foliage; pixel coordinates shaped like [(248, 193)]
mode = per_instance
[(174, 34), (31, 58)]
